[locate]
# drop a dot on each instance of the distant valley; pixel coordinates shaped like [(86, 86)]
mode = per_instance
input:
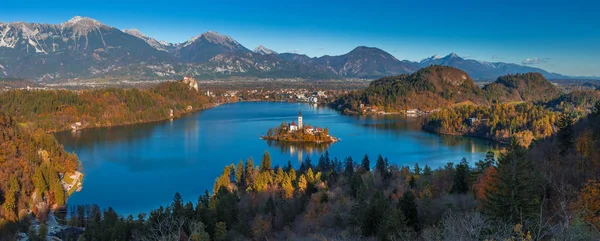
[(85, 49)]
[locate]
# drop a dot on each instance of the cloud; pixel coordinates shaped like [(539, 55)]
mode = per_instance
[(496, 57), (535, 61)]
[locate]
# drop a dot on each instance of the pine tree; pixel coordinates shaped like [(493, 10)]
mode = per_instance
[(515, 196), (408, 205), (220, 231), (239, 174), (462, 178), (565, 134), (288, 167), (374, 214), (265, 164), (349, 169), (392, 226), (427, 170), (366, 164), (417, 169), (249, 172), (177, 205), (380, 166)]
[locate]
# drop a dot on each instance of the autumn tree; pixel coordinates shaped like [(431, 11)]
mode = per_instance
[(239, 174), (287, 188), (589, 202), (265, 164)]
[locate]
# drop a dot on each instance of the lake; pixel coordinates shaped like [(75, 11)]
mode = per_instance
[(138, 168)]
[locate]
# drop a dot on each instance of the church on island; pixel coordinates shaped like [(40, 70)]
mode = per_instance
[(295, 131), (306, 129)]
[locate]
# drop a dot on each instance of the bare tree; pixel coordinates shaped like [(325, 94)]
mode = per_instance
[(165, 228)]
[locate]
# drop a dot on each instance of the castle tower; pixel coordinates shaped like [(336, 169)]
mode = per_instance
[(300, 120)]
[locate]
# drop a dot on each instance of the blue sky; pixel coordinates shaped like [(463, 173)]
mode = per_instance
[(559, 36)]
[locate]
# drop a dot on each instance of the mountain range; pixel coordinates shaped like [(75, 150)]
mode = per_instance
[(84, 48)]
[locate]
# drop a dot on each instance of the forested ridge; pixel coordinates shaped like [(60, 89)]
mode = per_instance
[(437, 87), (500, 122), (531, 87), (30, 163), (428, 88), (56, 110), (548, 191)]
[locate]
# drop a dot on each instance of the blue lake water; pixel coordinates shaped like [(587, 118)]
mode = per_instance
[(140, 167)]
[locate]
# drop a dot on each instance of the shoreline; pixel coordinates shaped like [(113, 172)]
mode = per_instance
[(140, 122), (464, 135), (303, 142)]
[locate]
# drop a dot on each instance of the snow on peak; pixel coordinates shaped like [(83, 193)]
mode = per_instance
[(134, 32), (215, 38), (159, 45), (264, 51), (453, 55), (431, 58), (83, 25), (81, 20)]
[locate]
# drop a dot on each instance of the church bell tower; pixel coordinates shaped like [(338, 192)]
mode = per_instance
[(300, 120)]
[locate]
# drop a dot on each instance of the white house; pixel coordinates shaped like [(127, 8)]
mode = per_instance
[(308, 129), (293, 126)]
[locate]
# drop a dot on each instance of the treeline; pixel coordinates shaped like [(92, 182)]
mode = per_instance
[(500, 122), (549, 191), (578, 102), (55, 110), (30, 163)]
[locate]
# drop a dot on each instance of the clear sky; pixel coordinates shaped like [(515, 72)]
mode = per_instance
[(559, 36)]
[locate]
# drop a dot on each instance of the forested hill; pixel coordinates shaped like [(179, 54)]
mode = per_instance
[(30, 163), (429, 88), (55, 110), (531, 87), (440, 86)]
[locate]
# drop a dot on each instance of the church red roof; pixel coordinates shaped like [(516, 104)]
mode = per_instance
[(293, 123)]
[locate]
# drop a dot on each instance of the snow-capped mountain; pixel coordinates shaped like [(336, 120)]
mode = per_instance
[(432, 58), (158, 45), (86, 48), (264, 51), (76, 48), (205, 46)]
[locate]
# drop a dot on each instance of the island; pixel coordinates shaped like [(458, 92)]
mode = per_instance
[(292, 132)]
